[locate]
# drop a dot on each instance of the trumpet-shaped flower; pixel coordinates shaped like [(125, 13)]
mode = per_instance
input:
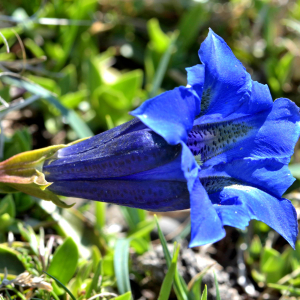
[(242, 143), (219, 146)]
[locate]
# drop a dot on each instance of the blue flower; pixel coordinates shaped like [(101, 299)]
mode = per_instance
[(220, 146)]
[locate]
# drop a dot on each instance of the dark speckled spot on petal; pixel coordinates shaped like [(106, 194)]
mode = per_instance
[(214, 184), (205, 101), (209, 140)]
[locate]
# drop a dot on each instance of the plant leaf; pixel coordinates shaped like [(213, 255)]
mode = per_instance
[(121, 265), (94, 284), (126, 296), (217, 287), (163, 65), (166, 287), (180, 286), (75, 122), (204, 294), (64, 262), (62, 285)]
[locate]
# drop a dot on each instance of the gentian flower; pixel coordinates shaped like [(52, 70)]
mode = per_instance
[(241, 142), (219, 146)]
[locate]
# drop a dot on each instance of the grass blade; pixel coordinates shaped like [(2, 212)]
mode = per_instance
[(121, 265), (75, 121), (168, 280), (163, 64), (164, 243), (204, 295), (291, 289), (293, 24), (95, 280), (194, 285), (218, 297), (131, 216), (19, 105), (100, 213), (190, 30), (7, 294), (126, 296), (5, 42), (62, 285), (180, 286), (142, 229)]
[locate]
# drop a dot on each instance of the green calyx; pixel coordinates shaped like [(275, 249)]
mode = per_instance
[(23, 173)]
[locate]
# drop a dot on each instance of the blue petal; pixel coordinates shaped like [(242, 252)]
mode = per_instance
[(260, 99), (184, 168), (169, 171), (234, 215), (206, 226), (261, 135), (266, 174), (103, 138), (127, 154), (228, 88), (227, 84), (195, 78), (170, 114), (276, 212), (145, 194), (217, 141), (189, 167), (280, 132)]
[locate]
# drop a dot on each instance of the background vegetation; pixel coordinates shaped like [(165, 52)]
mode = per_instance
[(79, 67)]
